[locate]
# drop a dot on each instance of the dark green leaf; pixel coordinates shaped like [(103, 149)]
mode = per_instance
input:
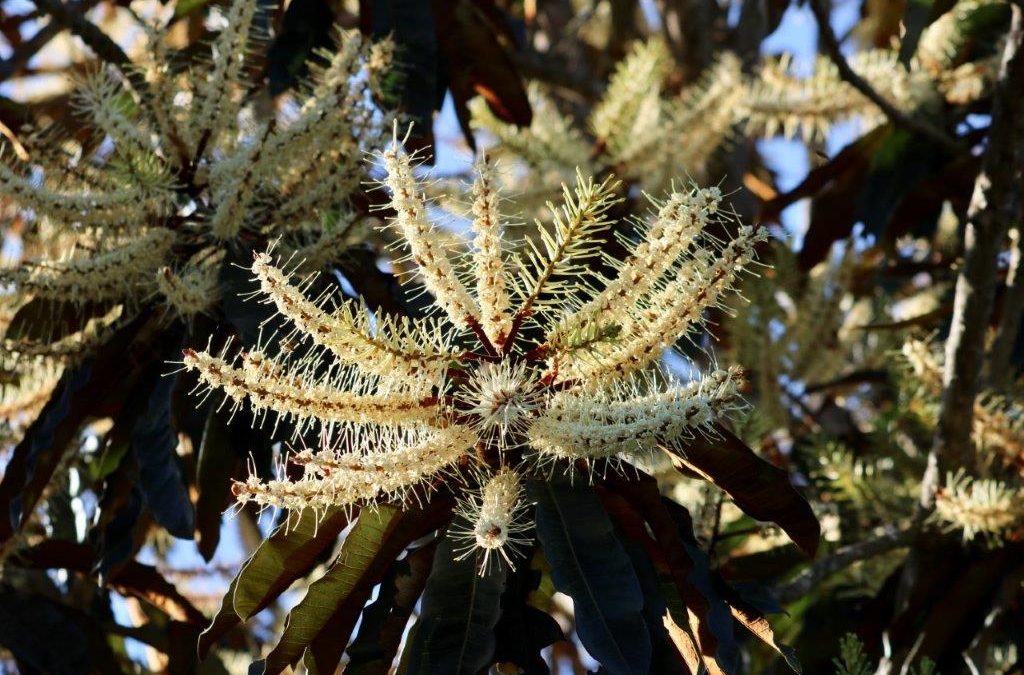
[(524, 630), (37, 455), (334, 601), (289, 553), (217, 464), (410, 25), (115, 541), (306, 27), (97, 388), (664, 656), (50, 637), (383, 622), (455, 631), (154, 443), (589, 565)]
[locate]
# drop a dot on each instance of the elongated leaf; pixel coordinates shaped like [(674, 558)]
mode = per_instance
[(455, 632), (411, 25), (98, 390), (755, 622), (709, 620), (470, 34), (289, 553), (120, 510), (218, 463), (40, 450), (761, 489), (306, 28), (334, 601), (589, 565), (383, 622), (664, 656), (524, 631), (154, 442)]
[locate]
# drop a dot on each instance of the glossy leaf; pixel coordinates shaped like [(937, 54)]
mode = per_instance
[(217, 464), (383, 621), (589, 565), (455, 631), (665, 658), (524, 630), (154, 443), (334, 601), (37, 455), (287, 554)]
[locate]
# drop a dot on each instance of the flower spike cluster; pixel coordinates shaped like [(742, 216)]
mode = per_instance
[(650, 133), (189, 168), (548, 362)]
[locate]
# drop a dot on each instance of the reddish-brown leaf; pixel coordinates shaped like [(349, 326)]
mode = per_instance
[(761, 489)]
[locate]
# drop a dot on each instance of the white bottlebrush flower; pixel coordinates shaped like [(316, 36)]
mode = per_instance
[(562, 373), (191, 170), (495, 520), (979, 507)]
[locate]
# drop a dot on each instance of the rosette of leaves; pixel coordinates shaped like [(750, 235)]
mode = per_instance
[(489, 449), (131, 246)]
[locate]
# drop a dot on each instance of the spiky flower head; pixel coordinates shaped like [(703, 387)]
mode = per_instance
[(563, 376), (496, 520), (184, 165), (979, 507)]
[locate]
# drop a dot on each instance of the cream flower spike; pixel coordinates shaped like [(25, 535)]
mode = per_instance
[(487, 257), (401, 348), (493, 521), (560, 374), (425, 245)]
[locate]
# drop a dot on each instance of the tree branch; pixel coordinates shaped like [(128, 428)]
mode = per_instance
[(26, 50), (999, 371), (895, 115), (842, 558), (995, 204), (72, 18)]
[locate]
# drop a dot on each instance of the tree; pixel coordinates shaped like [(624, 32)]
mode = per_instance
[(514, 447)]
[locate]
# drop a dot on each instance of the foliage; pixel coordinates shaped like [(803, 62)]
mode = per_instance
[(595, 403)]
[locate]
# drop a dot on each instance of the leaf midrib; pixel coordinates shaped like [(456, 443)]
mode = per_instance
[(576, 561)]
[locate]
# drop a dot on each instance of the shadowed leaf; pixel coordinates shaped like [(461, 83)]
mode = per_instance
[(589, 565), (289, 553), (761, 489), (383, 621), (455, 631)]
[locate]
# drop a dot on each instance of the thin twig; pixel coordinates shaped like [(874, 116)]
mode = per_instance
[(999, 369), (832, 47), (842, 558)]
